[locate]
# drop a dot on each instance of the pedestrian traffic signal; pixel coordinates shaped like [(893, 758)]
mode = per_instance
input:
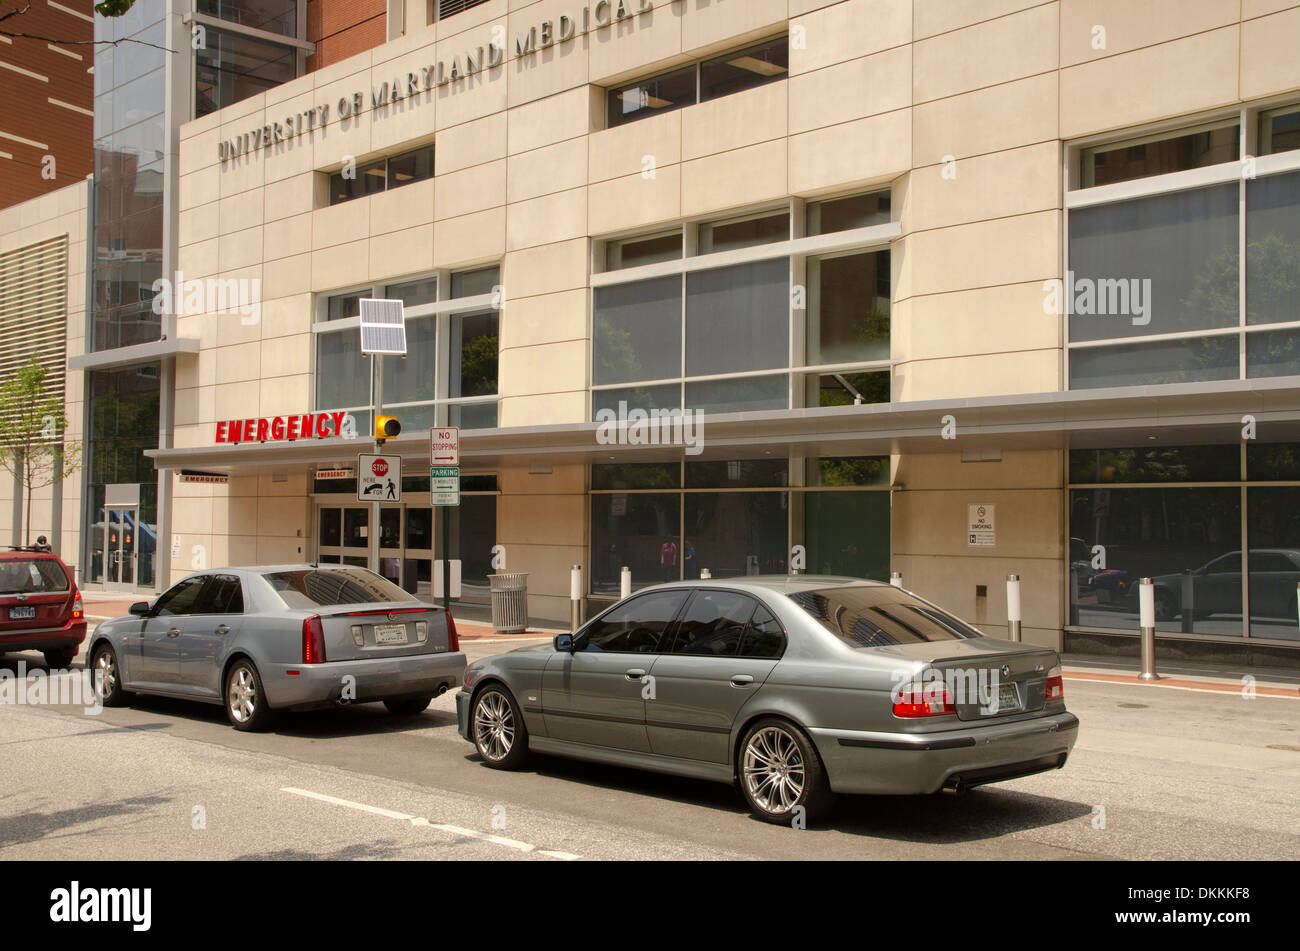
[(386, 427)]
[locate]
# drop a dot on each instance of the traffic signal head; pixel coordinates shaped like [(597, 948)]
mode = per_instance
[(386, 427)]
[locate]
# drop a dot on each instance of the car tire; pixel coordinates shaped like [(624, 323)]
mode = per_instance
[(59, 658), (779, 771), (108, 676), (244, 698), (498, 729), (407, 706)]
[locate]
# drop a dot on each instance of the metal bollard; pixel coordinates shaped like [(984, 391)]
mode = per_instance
[(1013, 607), (705, 574), (625, 583), (896, 579), (1147, 602), (575, 596), (1188, 600)]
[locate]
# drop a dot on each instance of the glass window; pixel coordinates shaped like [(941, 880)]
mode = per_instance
[(1275, 353), (1187, 540), (414, 166), (744, 69), (473, 355), (736, 534), (636, 626), (411, 293), (230, 68), (1273, 250), (714, 624), (473, 416), (343, 306), (845, 214), (1169, 361), (223, 595), (274, 16), (310, 588), (847, 389), (31, 576), (365, 180), (1155, 265), (1120, 163), (1274, 560), (738, 318), (667, 396), (764, 637), (637, 530), (846, 533), (879, 616), (1279, 130), (738, 474), (652, 96), (484, 280), (638, 331), (636, 475), (182, 598), (849, 308), (1273, 462), (848, 470), (331, 527), (746, 395), (635, 252), (1156, 464), (745, 233), (390, 528), (355, 523), (419, 528), (342, 371), (410, 379)]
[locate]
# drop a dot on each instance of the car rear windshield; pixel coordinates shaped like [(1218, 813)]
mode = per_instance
[(880, 616), (31, 576), (309, 588)]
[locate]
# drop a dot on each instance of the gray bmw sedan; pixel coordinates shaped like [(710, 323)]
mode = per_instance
[(792, 688), (289, 636)]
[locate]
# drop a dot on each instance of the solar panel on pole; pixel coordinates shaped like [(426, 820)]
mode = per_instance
[(383, 327)]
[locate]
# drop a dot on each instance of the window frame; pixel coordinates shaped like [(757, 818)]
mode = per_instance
[(384, 162)]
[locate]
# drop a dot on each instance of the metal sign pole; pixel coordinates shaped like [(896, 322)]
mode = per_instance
[(377, 364), (446, 560)]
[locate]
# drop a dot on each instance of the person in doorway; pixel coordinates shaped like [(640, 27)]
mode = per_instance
[(668, 559), (688, 561)]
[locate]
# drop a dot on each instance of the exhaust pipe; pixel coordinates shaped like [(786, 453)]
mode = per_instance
[(442, 688)]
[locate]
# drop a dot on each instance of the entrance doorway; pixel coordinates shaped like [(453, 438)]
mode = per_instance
[(120, 547)]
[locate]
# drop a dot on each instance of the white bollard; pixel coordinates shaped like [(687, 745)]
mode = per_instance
[(575, 596), (705, 574), (896, 579), (1147, 604), (625, 583), (1013, 607)]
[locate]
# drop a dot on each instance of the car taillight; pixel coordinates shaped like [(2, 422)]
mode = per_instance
[(453, 642), (313, 640), (78, 612), (924, 700), (1055, 685)]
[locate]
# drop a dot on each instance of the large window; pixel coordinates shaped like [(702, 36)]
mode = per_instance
[(230, 67), (449, 373), (381, 175), (700, 82), (1156, 232)]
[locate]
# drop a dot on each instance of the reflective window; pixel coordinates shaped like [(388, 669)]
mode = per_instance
[(411, 167), (1275, 353), (735, 534), (342, 372), (737, 474), (636, 530), (714, 624), (223, 595), (331, 527), (636, 475), (484, 280), (849, 308), (473, 355), (637, 332), (846, 533), (879, 616), (311, 588), (410, 379), (653, 96), (31, 576), (182, 598), (274, 16), (1156, 464), (764, 637), (1157, 156), (1273, 251), (744, 69), (738, 318), (1187, 360), (635, 252), (1274, 560), (744, 233), (845, 214), (413, 293), (747, 394), (231, 67), (663, 397), (846, 389), (381, 174), (1279, 130), (636, 626)]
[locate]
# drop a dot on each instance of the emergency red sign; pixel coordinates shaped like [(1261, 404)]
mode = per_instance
[(306, 426)]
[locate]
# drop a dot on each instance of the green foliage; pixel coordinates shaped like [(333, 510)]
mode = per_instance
[(32, 429)]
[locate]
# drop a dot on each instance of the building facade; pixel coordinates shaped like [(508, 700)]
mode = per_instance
[(961, 289)]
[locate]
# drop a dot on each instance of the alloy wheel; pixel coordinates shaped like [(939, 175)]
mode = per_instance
[(106, 667), (242, 696), (774, 770), (494, 726)]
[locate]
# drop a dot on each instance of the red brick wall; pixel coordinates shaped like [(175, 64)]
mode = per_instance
[(343, 28), (25, 108)]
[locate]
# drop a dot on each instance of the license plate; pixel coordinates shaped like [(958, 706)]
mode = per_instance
[(1008, 698), (22, 614), (390, 633)]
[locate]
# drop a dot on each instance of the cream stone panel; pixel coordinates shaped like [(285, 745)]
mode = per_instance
[(240, 249), (984, 254), (941, 16), (1269, 63), (403, 207), (841, 31), (1186, 75), (874, 149), (547, 71), (475, 189), (635, 202), (561, 518), (238, 364), (405, 121), (282, 316), (1026, 371), (471, 143), (287, 276), (471, 239), (471, 98), (199, 259), (194, 514), (286, 356), (977, 188), (549, 120), (997, 51), (861, 87), (546, 220), (199, 152), (199, 224), (281, 517), (240, 175), (401, 253), (992, 320), (722, 22), (343, 265), (342, 139), (652, 37), (1023, 113), (543, 171), (622, 150), (733, 179), (199, 188), (280, 394), (1131, 26), (1256, 8), (293, 156), (336, 224), (549, 368), (290, 196), (236, 400), (546, 268), (732, 122), (286, 237), (550, 318)]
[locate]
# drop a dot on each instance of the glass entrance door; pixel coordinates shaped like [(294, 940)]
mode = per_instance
[(121, 543)]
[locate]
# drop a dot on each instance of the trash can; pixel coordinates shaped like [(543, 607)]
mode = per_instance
[(509, 601)]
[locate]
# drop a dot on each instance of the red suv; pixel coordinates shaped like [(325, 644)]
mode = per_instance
[(40, 606)]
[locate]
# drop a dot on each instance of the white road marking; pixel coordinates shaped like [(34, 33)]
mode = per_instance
[(441, 827)]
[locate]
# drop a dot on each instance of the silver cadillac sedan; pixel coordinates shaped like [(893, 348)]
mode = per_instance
[(792, 688), (281, 637)]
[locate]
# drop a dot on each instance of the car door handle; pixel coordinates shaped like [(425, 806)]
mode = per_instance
[(636, 673), (174, 632), (222, 629), (741, 680)]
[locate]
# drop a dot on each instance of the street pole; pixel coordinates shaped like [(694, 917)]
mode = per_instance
[(377, 367), (446, 560)]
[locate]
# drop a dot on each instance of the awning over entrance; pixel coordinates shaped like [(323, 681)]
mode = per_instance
[(1170, 414)]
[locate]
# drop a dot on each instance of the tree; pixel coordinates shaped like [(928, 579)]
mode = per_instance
[(32, 430)]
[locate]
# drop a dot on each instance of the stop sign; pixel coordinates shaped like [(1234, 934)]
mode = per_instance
[(379, 467)]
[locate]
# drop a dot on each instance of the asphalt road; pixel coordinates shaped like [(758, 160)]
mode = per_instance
[(1158, 773)]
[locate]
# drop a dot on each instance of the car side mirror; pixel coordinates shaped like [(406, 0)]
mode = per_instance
[(140, 609), (564, 643)]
